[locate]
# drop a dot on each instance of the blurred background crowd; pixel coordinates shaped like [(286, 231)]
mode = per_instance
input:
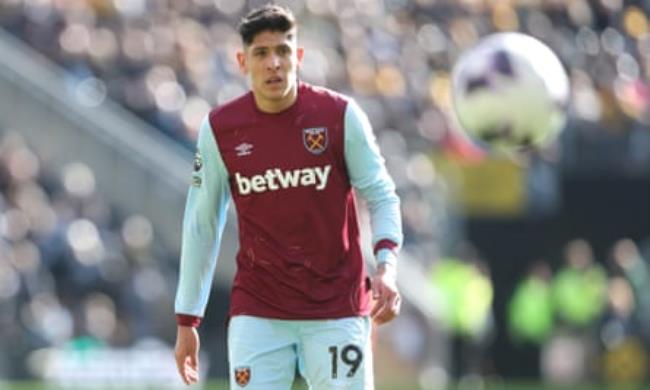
[(536, 264), (73, 273)]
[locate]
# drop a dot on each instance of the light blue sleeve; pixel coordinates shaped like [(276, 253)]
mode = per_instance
[(203, 222), (370, 178)]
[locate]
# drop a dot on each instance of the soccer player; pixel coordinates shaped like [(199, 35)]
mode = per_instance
[(288, 154)]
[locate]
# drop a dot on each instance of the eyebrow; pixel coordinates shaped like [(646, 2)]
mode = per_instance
[(263, 47)]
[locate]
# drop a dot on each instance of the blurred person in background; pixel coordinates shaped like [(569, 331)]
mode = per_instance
[(466, 294), (531, 317), (626, 256), (579, 288), (624, 358), (289, 155), (624, 329), (530, 312), (579, 291)]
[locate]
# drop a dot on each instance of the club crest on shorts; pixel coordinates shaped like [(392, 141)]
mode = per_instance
[(315, 139), (242, 375)]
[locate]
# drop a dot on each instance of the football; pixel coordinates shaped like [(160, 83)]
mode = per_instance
[(510, 92)]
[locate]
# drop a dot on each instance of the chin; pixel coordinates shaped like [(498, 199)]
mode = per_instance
[(278, 94)]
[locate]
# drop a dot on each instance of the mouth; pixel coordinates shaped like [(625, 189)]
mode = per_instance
[(273, 81)]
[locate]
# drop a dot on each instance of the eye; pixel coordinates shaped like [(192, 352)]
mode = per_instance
[(284, 50)]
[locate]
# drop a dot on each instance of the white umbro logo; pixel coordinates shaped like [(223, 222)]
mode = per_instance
[(244, 149)]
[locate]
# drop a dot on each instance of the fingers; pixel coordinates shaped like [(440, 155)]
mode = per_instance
[(387, 307), (387, 312), (193, 365), (188, 367), (377, 308), (191, 371), (188, 371)]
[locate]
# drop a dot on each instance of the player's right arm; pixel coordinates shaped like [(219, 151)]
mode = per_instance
[(203, 223)]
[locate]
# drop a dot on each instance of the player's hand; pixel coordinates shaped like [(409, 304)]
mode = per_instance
[(386, 295), (187, 354)]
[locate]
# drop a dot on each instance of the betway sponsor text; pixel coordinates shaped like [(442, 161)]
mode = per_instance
[(275, 179)]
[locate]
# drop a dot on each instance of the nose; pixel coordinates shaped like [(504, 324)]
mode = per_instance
[(273, 62)]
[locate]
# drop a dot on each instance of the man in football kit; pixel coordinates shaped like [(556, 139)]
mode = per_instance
[(288, 154)]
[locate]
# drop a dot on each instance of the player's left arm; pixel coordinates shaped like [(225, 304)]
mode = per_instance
[(370, 178)]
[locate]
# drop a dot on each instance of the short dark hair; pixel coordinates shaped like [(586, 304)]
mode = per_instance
[(269, 17)]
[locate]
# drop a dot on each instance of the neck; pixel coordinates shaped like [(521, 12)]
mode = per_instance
[(277, 105)]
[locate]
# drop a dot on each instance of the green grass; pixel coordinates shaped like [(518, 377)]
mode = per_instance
[(213, 385), (216, 385)]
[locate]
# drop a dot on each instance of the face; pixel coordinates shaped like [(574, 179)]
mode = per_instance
[(271, 62)]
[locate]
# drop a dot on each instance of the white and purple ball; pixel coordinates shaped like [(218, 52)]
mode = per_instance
[(510, 92)]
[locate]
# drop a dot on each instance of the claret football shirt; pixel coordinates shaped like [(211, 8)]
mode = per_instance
[(290, 176)]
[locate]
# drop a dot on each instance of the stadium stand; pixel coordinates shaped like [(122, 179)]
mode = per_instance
[(168, 62)]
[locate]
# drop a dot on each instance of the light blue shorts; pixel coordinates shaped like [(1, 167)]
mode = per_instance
[(330, 354)]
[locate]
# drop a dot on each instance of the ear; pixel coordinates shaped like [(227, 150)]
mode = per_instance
[(241, 61), (300, 53)]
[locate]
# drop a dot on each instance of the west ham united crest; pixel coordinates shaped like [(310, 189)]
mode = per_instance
[(242, 375), (315, 139)]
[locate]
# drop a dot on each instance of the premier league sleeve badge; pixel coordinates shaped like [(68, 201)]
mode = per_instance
[(197, 166)]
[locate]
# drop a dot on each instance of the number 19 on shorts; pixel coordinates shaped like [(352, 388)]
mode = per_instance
[(350, 355)]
